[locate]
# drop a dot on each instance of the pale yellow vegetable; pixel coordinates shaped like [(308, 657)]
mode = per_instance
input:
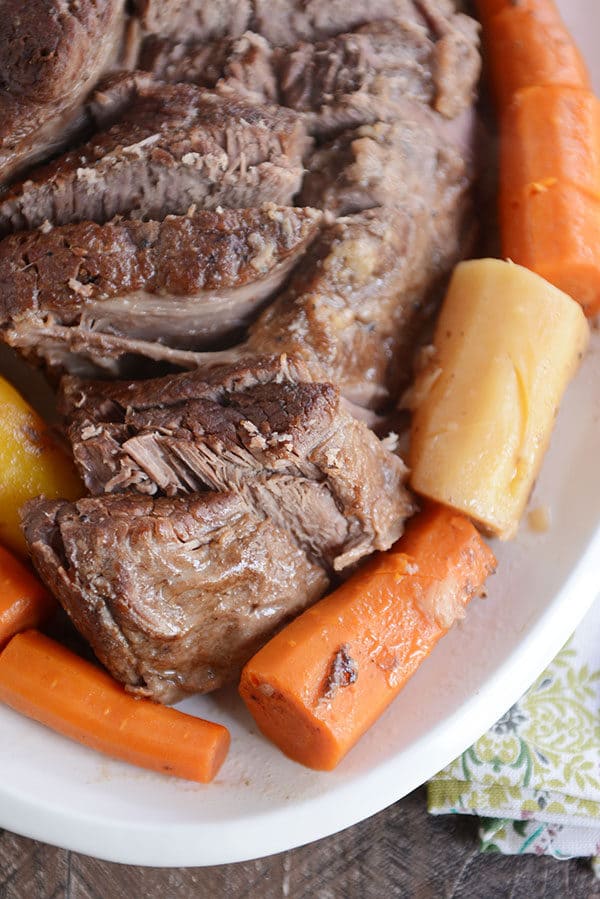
[(506, 345), (31, 464)]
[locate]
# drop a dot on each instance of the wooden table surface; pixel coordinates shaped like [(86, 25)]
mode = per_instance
[(401, 852)]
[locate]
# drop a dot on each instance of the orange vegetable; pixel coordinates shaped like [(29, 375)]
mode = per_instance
[(46, 682), (529, 46), (551, 133), (24, 602), (31, 463), (553, 228), (487, 9), (317, 686)]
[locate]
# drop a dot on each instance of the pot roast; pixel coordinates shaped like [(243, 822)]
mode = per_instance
[(173, 595), (260, 427), (146, 287), (173, 587), (51, 56), (269, 203), (172, 147)]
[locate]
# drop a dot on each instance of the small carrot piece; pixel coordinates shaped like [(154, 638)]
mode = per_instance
[(487, 9), (45, 681), (551, 132), (553, 229), (318, 685), (24, 601), (530, 47)]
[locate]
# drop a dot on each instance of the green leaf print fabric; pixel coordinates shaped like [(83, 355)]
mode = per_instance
[(534, 778)]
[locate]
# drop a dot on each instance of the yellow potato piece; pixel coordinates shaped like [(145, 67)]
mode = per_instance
[(31, 464), (506, 345)]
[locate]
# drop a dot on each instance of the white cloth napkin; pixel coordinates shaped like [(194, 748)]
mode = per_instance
[(534, 777)]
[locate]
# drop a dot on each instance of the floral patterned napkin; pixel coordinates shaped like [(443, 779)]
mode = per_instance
[(534, 778)]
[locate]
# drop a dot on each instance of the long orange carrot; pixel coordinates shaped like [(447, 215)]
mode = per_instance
[(551, 134), (549, 194), (46, 682), (317, 686), (554, 229), (24, 602), (528, 45)]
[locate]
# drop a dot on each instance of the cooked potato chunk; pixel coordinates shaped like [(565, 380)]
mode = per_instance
[(506, 345), (30, 464)]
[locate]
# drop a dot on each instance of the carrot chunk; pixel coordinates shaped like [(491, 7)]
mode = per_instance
[(24, 602), (317, 686), (549, 193), (528, 47), (549, 134), (46, 682), (553, 229), (487, 9)]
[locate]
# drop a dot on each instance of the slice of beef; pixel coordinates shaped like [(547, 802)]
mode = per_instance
[(260, 428), (243, 65), (365, 288), (174, 146), (115, 96), (186, 282), (353, 311), (282, 22), (285, 22), (51, 55), (373, 279), (173, 595), (426, 55), (202, 20), (387, 164), (354, 307), (374, 73), (455, 59)]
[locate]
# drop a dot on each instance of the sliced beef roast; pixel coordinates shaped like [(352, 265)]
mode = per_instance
[(364, 289), (374, 74), (228, 497), (202, 20), (425, 55), (51, 55), (260, 428), (351, 311), (243, 64), (285, 22), (354, 310), (174, 595), (391, 164), (281, 22), (176, 590), (174, 146), (186, 282)]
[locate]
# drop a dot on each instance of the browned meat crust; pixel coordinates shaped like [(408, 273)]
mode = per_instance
[(259, 427), (173, 595), (185, 282), (174, 146), (50, 58)]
